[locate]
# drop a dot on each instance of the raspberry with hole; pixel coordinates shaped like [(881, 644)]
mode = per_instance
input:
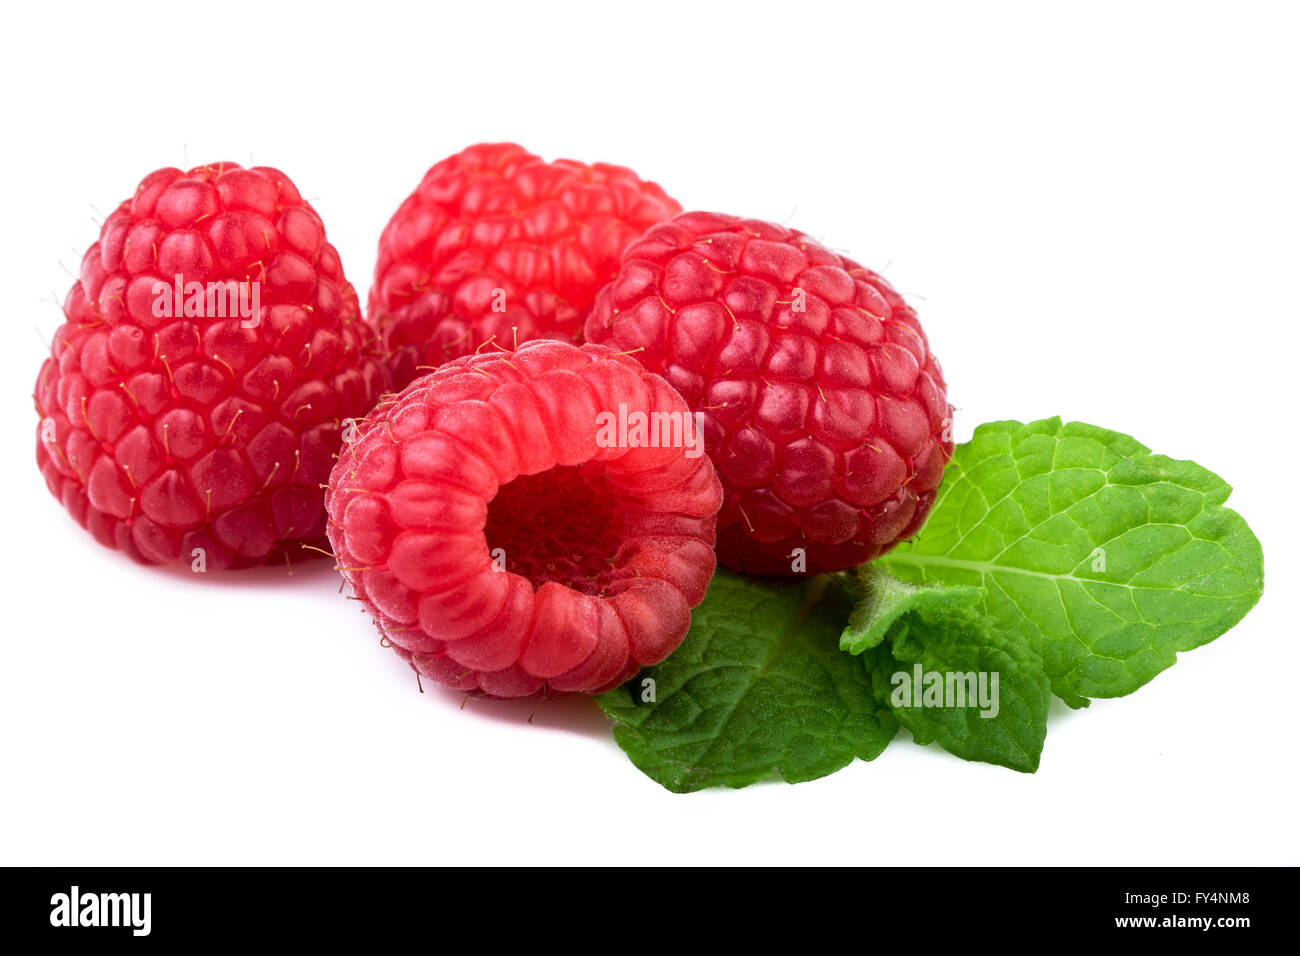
[(496, 244), (508, 540), (192, 402), (824, 409)]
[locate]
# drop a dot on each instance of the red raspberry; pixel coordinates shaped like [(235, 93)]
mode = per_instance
[(497, 458), (206, 420), (495, 242), (826, 414)]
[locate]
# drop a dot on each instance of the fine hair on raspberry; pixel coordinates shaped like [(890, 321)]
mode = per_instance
[(825, 411), (212, 346), (506, 540)]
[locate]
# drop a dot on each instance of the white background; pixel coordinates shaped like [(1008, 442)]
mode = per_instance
[(1094, 210)]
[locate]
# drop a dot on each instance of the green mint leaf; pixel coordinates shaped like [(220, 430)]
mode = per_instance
[(884, 598), (1102, 558), (758, 689), (950, 677), (946, 673)]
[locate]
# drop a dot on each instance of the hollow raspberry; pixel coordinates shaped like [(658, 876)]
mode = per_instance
[(509, 536), (496, 242), (191, 405), (825, 411)]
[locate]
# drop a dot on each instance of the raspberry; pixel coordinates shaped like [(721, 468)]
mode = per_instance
[(495, 242), (204, 420), (824, 410), (501, 545)]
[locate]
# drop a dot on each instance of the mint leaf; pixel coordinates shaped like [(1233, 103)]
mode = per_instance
[(946, 674), (758, 689), (884, 599), (1102, 558), (950, 678)]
